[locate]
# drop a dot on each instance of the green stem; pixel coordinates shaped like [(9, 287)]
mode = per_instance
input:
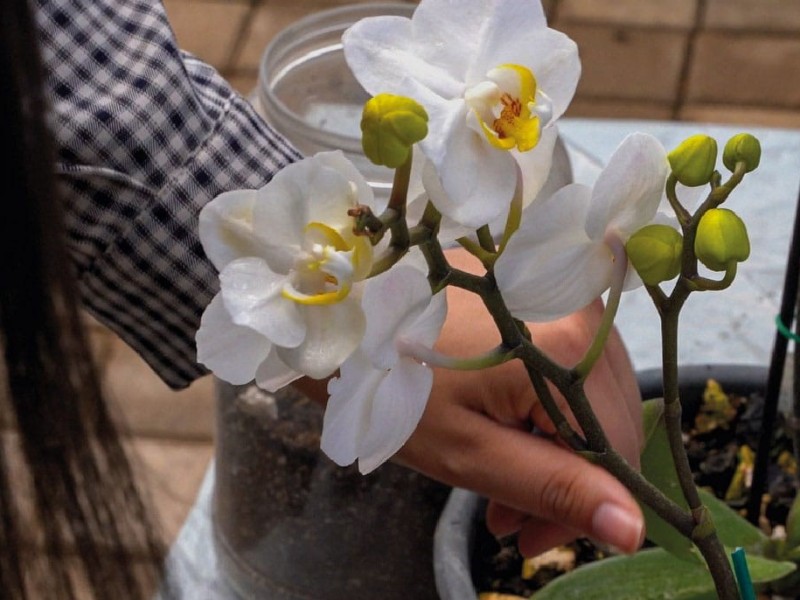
[(683, 215), (515, 335), (514, 215), (477, 250), (397, 203), (386, 261), (496, 356), (704, 532), (703, 284), (485, 239), (672, 405), (619, 272)]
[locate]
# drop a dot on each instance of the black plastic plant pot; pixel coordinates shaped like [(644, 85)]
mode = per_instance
[(454, 540)]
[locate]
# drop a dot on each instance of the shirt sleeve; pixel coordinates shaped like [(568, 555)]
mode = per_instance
[(146, 135)]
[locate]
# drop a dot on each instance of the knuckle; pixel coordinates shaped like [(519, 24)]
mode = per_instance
[(561, 497)]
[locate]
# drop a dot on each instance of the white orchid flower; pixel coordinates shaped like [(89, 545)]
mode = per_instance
[(378, 399), (290, 267), (491, 76), (563, 255)]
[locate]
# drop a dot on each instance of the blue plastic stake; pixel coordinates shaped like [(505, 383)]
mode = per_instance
[(746, 590)]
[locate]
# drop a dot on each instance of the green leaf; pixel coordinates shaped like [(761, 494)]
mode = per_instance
[(650, 575), (793, 526), (659, 469), (733, 529), (652, 415)]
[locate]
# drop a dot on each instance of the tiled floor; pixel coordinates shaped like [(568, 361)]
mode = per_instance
[(735, 61)]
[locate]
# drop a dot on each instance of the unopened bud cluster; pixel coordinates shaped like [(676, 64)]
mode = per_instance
[(721, 239)]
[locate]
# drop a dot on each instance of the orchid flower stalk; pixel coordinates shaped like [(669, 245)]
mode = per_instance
[(310, 286)]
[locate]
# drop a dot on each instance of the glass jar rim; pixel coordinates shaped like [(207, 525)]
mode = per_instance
[(293, 37)]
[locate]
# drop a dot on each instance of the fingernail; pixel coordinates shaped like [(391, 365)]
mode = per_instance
[(617, 527)]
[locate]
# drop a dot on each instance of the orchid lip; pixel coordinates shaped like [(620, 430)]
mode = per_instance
[(511, 111)]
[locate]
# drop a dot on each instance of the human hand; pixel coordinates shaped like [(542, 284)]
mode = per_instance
[(475, 433)]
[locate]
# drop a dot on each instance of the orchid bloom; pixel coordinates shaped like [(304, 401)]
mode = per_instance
[(564, 254), (491, 76), (378, 399), (290, 267)]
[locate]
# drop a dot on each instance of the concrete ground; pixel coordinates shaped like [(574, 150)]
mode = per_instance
[(729, 61)]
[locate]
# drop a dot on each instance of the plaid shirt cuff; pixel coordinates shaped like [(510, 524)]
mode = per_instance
[(146, 136)]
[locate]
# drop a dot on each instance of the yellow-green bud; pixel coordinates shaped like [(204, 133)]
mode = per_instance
[(694, 159), (721, 238), (742, 147), (390, 125), (655, 252)]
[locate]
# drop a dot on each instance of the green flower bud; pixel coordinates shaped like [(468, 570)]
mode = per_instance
[(655, 252), (721, 238), (390, 125), (694, 159), (742, 147)]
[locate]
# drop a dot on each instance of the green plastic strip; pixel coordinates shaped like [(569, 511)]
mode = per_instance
[(746, 590), (785, 331)]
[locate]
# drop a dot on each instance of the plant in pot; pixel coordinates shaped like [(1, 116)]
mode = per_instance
[(320, 279)]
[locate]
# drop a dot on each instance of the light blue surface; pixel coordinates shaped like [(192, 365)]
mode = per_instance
[(735, 325), (732, 326)]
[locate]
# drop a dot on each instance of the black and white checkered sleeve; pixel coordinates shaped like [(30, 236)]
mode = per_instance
[(146, 136)]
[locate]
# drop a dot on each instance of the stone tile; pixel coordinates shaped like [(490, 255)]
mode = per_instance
[(206, 28), (148, 407), (770, 15), (273, 16), (720, 113), (170, 472), (748, 69), (655, 13), (629, 63), (618, 109)]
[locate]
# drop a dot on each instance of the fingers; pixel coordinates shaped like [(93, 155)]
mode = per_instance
[(527, 473), (535, 535)]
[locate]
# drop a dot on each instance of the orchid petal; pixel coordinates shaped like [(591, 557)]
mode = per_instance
[(474, 196), (385, 58), (273, 373), (449, 230), (426, 328), (453, 31), (337, 161), (253, 296), (347, 413), (535, 166), (629, 189), (391, 303), (397, 408), (565, 280), (225, 227), (550, 267), (301, 192), (333, 332), (232, 352)]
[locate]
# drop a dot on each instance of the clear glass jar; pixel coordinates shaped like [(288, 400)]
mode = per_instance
[(306, 91)]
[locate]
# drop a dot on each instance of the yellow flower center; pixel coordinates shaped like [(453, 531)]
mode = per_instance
[(325, 271), (507, 109)]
